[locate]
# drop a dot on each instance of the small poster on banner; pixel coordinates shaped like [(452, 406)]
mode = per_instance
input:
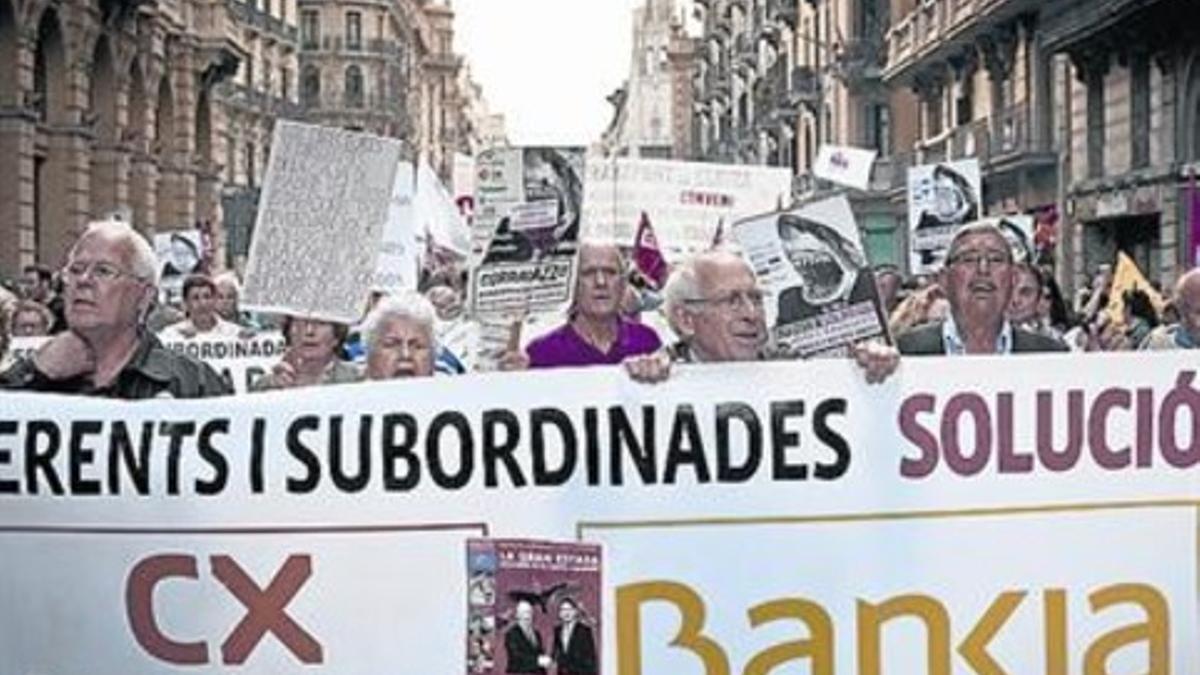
[(533, 607), (180, 253), (327, 191), (526, 230), (821, 293), (941, 198)]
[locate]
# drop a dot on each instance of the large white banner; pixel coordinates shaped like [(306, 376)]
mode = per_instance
[(991, 517), (685, 201)]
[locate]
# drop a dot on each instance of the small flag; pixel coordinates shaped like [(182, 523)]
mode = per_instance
[(1127, 277), (646, 254), (719, 235), (845, 165)]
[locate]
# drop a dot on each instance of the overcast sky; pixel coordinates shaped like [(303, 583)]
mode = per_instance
[(548, 64)]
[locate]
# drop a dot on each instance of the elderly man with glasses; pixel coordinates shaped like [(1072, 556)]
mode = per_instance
[(978, 279), (110, 284), (714, 304)]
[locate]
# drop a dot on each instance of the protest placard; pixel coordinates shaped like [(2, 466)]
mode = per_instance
[(21, 348), (945, 519), (238, 360), (941, 198), (532, 605), (437, 214), (396, 266), (686, 201), (326, 192), (821, 293), (526, 230), (179, 254)]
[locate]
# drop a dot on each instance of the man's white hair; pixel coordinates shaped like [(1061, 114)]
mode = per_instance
[(228, 278), (683, 285), (144, 261), (403, 305)]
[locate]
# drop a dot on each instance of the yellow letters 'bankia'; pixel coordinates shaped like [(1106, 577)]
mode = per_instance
[(817, 647)]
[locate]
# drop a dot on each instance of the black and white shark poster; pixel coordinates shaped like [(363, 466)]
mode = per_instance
[(820, 289)]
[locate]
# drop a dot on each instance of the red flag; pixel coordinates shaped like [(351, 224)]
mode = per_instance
[(1194, 218), (646, 256)]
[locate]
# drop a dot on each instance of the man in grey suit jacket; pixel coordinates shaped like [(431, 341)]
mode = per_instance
[(978, 279)]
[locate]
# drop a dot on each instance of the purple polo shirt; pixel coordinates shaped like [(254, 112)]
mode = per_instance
[(564, 347)]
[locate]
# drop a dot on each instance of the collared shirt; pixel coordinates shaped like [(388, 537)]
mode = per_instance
[(956, 346), (563, 346), (186, 330), (152, 372), (1169, 337)]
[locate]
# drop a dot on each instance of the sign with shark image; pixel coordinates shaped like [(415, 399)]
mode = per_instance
[(820, 290)]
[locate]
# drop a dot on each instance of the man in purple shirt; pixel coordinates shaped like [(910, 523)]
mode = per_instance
[(596, 334)]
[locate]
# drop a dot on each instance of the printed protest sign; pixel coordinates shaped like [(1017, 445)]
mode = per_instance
[(327, 191), (821, 293), (21, 348), (526, 230), (179, 254), (238, 360), (686, 201), (941, 198), (396, 266)]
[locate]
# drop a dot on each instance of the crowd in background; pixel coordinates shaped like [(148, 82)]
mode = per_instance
[(105, 320)]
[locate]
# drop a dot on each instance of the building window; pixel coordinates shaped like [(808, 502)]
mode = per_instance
[(879, 129), (1139, 82), (1095, 123), (354, 87), (310, 88), (249, 71), (285, 83), (354, 30), (310, 29), (250, 151), (267, 7)]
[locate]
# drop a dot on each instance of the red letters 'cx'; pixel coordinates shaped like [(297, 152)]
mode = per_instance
[(264, 609)]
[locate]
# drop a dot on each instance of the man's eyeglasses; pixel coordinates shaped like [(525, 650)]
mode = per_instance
[(101, 271), (974, 258), (732, 301)]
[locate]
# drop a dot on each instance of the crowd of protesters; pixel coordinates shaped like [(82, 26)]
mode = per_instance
[(104, 325)]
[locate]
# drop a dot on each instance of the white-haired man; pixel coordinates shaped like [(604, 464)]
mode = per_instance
[(110, 282), (714, 304), (399, 337)]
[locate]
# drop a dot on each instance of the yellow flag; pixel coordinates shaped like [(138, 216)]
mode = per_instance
[(1128, 277)]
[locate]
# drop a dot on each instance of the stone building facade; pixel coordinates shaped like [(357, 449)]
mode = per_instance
[(776, 79), (1130, 85), (656, 93), (386, 67), (108, 107), (1085, 106)]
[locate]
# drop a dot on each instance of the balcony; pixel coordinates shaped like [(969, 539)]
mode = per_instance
[(716, 83), (1000, 143), (746, 50), (937, 28), (257, 101), (784, 11), (249, 14), (778, 94), (860, 61), (377, 47)]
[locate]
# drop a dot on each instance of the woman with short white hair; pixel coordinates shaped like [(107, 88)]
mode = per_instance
[(399, 337)]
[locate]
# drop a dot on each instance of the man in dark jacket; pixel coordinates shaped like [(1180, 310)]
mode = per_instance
[(978, 280), (110, 284)]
